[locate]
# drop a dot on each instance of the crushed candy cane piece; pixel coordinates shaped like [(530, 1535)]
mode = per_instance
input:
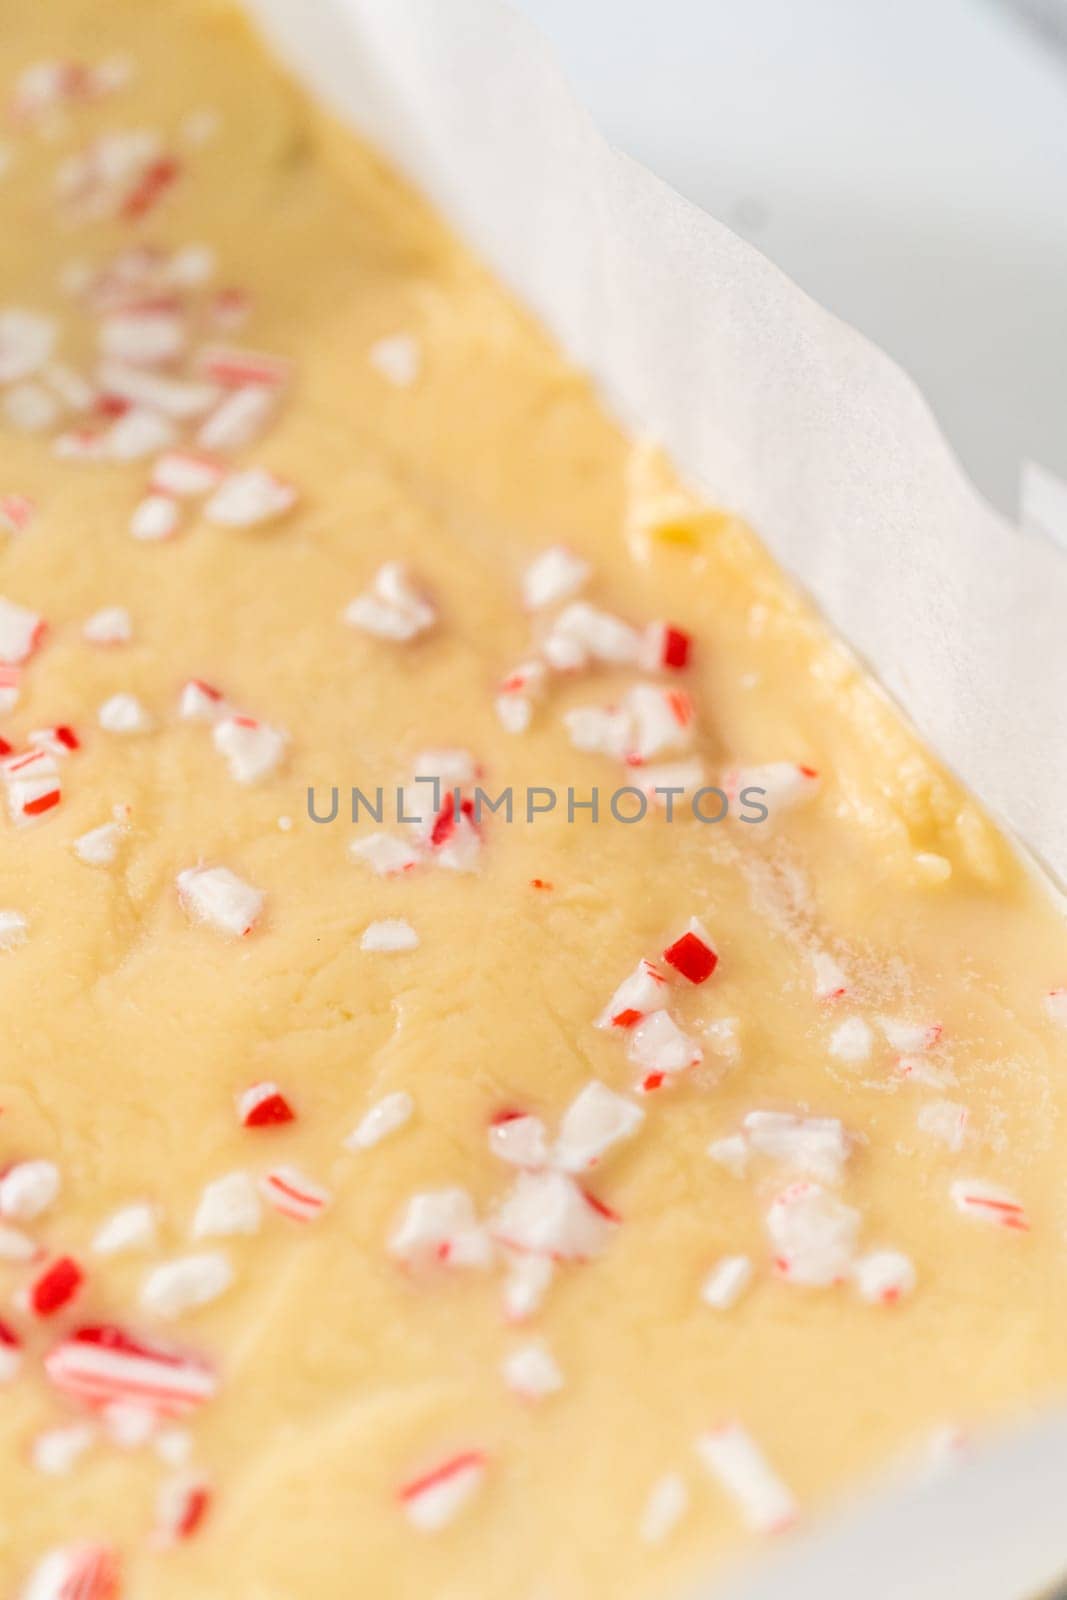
[(830, 982), (58, 1450), (731, 1152), (75, 1572), (644, 991), (666, 1505), (668, 779), (988, 1202), (384, 854), (514, 703), (659, 1048), (882, 1277), (851, 1040), (780, 784), (252, 749), (102, 1365), (389, 934), (527, 1283), (289, 1191), (547, 1213), (27, 340), (54, 1287), (14, 931), (100, 846), (186, 1283), (519, 1140), (440, 1226), (10, 683), (144, 336), (739, 1466), (59, 740), (818, 1146), (247, 498), (661, 720), (385, 1118), (532, 1372), (16, 512), (235, 368), (397, 358), (692, 954), (123, 713), (434, 1499), (108, 626), (137, 433), (200, 702), (554, 575), (154, 517), (21, 631), (181, 1506), (392, 608), (218, 896), (229, 1205), (133, 1227), (726, 1282), (813, 1235), (185, 475), (910, 1038), (597, 1119), (264, 1105), (665, 648), (238, 420), (28, 1189), (581, 634), (31, 780), (599, 730), (945, 1120)]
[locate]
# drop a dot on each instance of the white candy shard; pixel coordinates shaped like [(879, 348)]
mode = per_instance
[(392, 608), (731, 1152), (28, 1189), (726, 1282), (527, 1283), (554, 575), (662, 720), (185, 475), (667, 1504), (813, 1235), (252, 749), (132, 1227), (601, 731), (14, 930), (781, 785), (390, 934), (597, 1119), (532, 1372), (239, 419), (643, 991), (123, 713), (229, 1205), (387, 1117), (657, 1045), (247, 498), (818, 1146), (883, 1277), (397, 358), (546, 1213), (199, 702), (440, 1226), (110, 625), (434, 1500), (26, 343), (185, 1284), (100, 846), (143, 338), (851, 1040), (737, 1463), (384, 854), (945, 1120), (57, 1451), (910, 1037), (520, 1141), (20, 633), (154, 518), (217, 896)]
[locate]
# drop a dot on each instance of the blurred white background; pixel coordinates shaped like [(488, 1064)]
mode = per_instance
[(904, 160)]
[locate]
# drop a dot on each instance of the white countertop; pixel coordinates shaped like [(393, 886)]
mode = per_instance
[(904, 160)]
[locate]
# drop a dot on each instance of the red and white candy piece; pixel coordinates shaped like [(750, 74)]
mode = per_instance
[(234, 368), (666, 1505), (132, 1228), (294, 1194), (252, 750), (726, 1282), (124, 714), (397, 358), (10, 1353), (813, 1235), (75, 1572), (882, 1277), (547, 1213), (435, 1498), (186, 475), (660, 1049), (10, 683), (109, 626), (780, 785), (532, 1372), (391, 1113), (818, 1146), (218, 897), (665, 648), (239, 419), (200, 702), (739, 1466), (519, 1139), (644, 991), (263, 1105), (389, 935), (28, 1189), (103, 1365), (988, 1202), (829, 980), (385, 854), (554, 575), (154, 518), (48, 86), (945, 1120), (21, 631), (661, 720), (27, 340), (31, 780), (59, 740), (186, 1284), (595, 1121), (16, 512), (851, 1041), (246, 499), (392, 608), (14, 929), (229, 1205), (100, 846), (441, 1227), (910, 1038), (692, 954), (181, 1507), (517, 694), (581, 634)]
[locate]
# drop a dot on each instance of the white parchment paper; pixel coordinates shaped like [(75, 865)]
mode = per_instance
[(781, 412)]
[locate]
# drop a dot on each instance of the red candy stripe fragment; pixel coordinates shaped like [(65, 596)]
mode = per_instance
[(76, 1572), (55, 1287), (102, 1365), (263, 1106), (693, 954), (181, 1509), (432, 1500), (293, 1194)]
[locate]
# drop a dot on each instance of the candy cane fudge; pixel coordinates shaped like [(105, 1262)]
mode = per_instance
[(520, 1076)]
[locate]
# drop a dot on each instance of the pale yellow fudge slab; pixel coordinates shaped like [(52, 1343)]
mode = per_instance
[(340, 1367)]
